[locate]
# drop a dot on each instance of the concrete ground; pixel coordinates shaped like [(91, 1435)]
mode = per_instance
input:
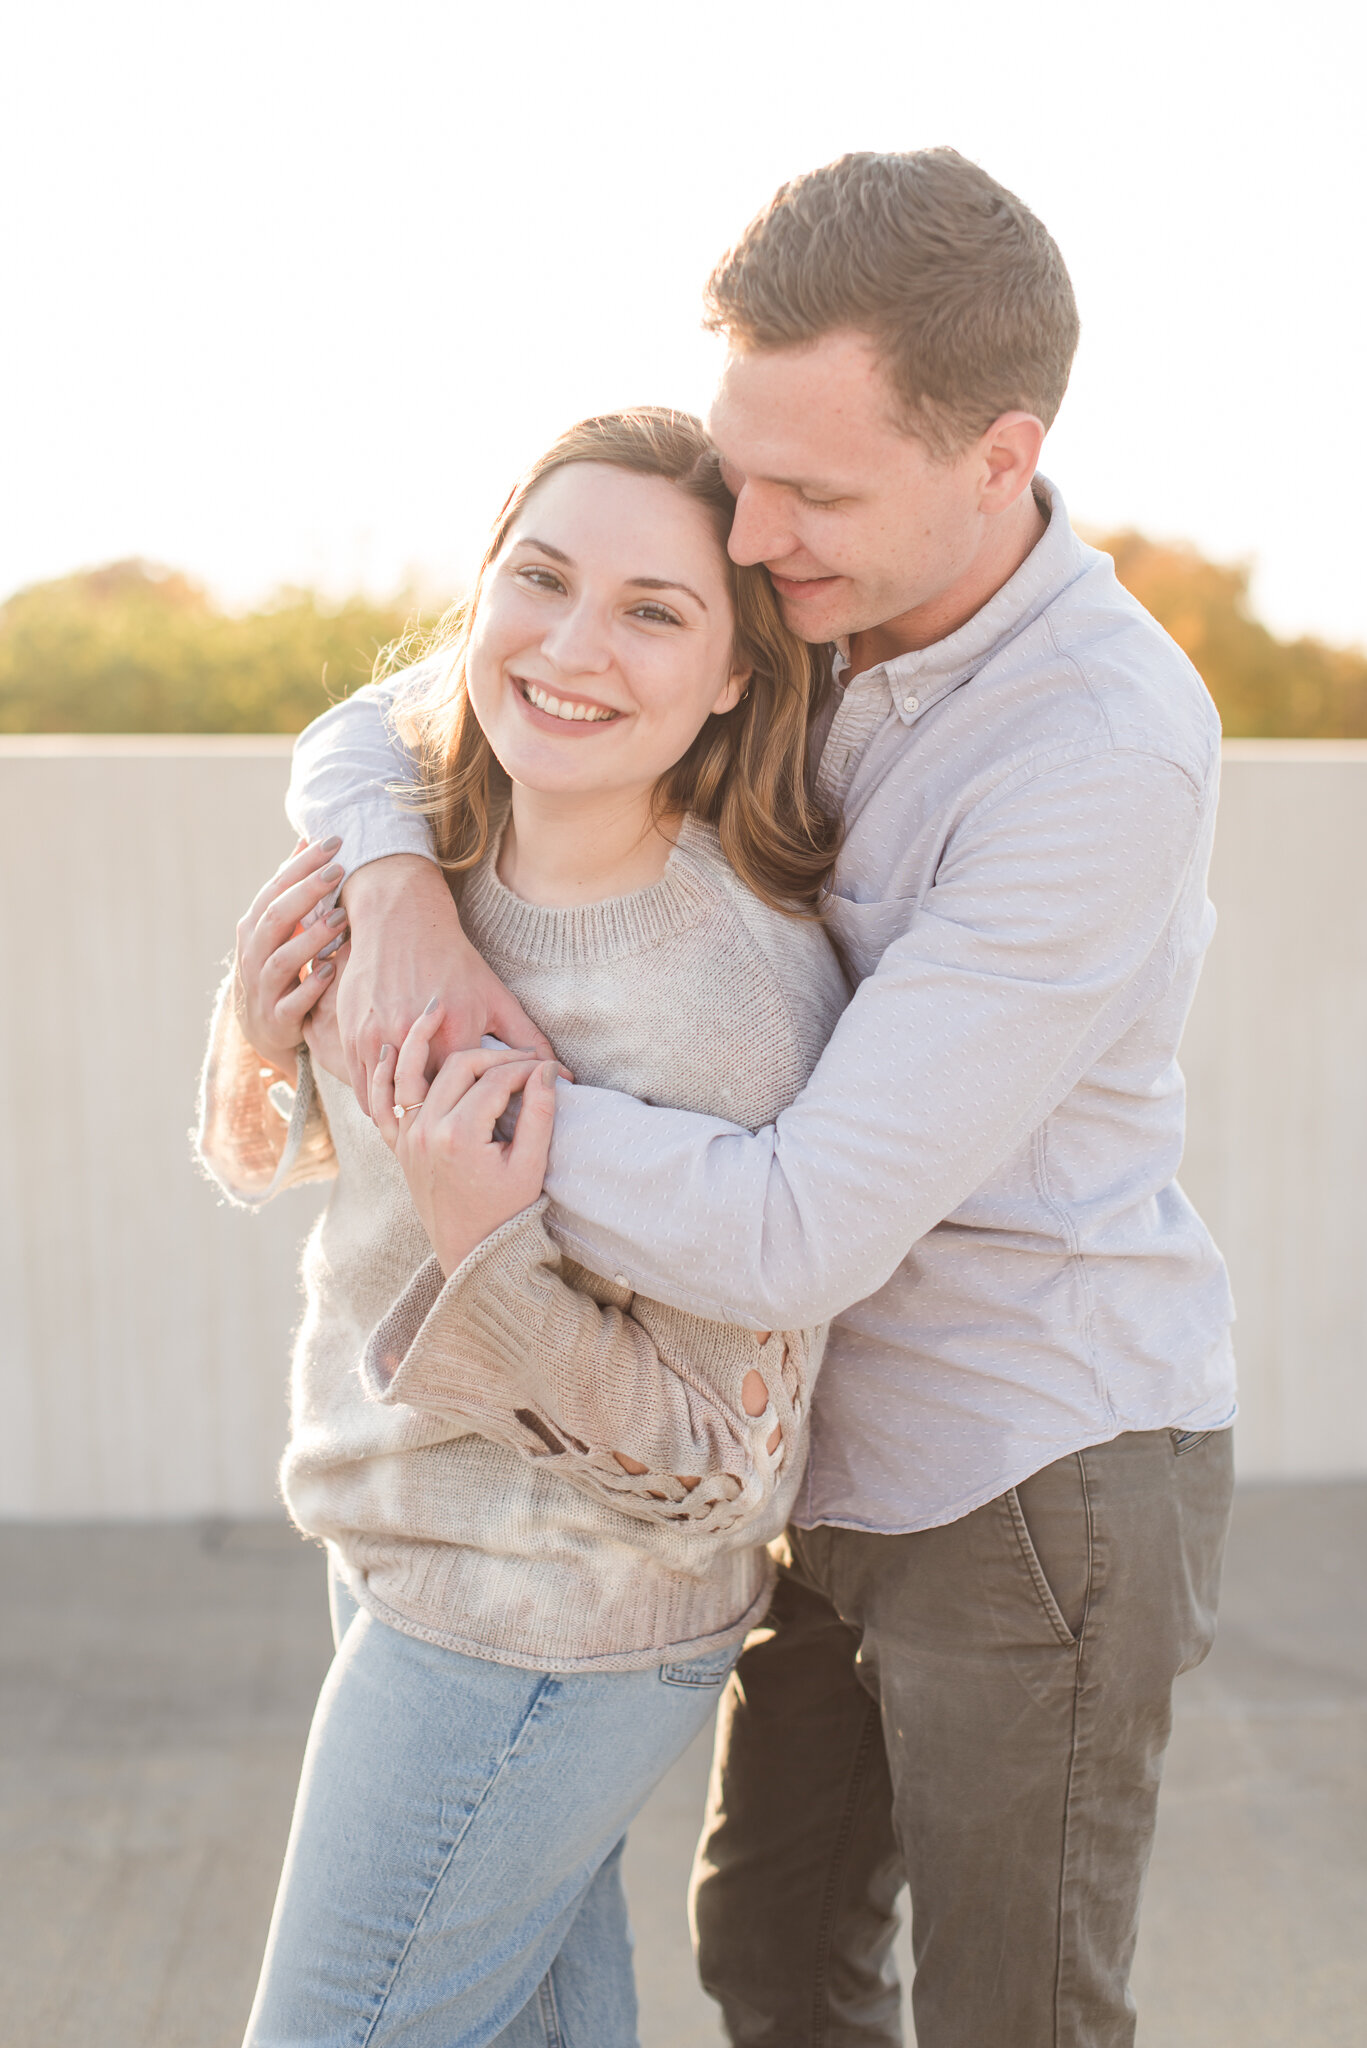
[(155, 1690)]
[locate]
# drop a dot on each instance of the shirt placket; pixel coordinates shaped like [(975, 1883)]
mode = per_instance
[(864, 706)]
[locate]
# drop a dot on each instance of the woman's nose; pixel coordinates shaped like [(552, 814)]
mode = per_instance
[(578, 641)]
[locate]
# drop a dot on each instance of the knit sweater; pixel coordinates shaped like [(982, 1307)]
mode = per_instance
[(453, 1438)]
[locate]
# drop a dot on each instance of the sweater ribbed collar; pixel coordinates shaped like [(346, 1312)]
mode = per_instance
[(503, 927)]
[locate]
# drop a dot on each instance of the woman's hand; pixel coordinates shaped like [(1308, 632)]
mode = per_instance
[(464, 1181), (278, 938)]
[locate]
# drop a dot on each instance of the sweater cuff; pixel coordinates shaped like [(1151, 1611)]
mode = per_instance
[(409, 1358)]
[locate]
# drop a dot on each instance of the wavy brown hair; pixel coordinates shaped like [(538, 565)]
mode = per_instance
[(747, 770)]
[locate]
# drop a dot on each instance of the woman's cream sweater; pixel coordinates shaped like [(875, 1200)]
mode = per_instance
[(454, 1439)]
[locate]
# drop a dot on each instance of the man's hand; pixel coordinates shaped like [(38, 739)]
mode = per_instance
[(407, 947)]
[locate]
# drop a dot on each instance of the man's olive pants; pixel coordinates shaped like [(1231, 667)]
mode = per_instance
[(979, 1711)]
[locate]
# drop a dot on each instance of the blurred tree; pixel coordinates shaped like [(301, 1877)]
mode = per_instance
[(1265, 687), (136, 648)]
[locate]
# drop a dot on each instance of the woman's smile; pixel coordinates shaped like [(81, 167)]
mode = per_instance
[(570, 712)]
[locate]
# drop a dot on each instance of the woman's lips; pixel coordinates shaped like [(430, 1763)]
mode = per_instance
[(568, 715)]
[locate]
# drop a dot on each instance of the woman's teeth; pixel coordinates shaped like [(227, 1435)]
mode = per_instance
[(544, 701)]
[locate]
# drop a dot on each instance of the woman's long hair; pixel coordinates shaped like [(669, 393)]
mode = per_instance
[(747, 770)]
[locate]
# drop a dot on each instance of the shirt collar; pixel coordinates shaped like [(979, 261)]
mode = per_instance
[(921, 678)]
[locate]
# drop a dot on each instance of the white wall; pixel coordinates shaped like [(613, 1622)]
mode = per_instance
[(144, 1327)]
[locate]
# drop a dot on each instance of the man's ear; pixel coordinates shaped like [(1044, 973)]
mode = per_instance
[(737, 687), (1010, 452)]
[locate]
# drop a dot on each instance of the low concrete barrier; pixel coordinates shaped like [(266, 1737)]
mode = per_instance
[(144, 1327)]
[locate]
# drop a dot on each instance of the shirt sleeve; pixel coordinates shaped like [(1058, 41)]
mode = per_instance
[(343, 780), (512, 1347), (1052, 923)]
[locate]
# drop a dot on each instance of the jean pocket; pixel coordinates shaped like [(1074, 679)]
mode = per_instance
[(1184, 1440), (712, 1668)]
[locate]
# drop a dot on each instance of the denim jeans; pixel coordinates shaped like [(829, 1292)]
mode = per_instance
[(453, 1874)]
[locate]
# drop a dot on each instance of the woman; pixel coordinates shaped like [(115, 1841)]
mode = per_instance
[(545, 1500)]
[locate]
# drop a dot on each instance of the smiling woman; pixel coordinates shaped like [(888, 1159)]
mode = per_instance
[(547, 1498), (614, 661)]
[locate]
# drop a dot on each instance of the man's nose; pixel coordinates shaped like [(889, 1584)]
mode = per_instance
[(578, 642), (757, 533)]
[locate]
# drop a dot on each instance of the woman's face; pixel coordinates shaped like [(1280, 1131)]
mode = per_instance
[(602, 637)]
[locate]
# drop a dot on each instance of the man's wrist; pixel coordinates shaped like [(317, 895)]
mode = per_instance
[(391, 874)]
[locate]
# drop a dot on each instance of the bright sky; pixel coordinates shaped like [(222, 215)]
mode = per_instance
[(294, 288)]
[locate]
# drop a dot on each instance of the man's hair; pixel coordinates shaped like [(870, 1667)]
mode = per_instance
[(962, 291)]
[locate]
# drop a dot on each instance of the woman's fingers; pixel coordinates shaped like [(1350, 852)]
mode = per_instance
[(484, 1101), (317, 942), (382, 1097), (461, 1071), (294, 1007), (410, 1069), (531, 1146), (300, 865), (284, 914)]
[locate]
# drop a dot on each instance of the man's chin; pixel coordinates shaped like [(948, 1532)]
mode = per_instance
[(816, 619)]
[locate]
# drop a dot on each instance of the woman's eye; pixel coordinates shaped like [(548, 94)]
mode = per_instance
[(818, 504), (542, 579), (658, 613)]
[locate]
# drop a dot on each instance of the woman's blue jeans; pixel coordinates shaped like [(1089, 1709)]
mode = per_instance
[(453, 1875)]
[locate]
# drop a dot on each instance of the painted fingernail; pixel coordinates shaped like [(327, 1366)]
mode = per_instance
[(333, 946), (386, 1053), (432, 1007), (332, 874), (322, 973), (330, 845), (335, 917)]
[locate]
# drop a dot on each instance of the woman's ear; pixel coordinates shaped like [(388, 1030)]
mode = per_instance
[(737, 689)]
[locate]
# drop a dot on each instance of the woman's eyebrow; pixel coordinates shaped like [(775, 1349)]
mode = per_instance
[(637, 582), (544, 547), (660, 583)]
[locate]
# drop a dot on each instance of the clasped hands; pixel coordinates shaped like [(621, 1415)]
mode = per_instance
[(464, 1180)]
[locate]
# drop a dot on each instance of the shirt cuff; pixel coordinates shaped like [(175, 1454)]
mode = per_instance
[(373, 831)]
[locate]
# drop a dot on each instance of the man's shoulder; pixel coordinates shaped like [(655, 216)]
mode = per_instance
[(1128, 680)]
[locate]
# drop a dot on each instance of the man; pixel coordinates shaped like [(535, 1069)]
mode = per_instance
[(1011, 1530)]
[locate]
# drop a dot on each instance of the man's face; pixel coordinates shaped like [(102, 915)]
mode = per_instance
[(855, 521)]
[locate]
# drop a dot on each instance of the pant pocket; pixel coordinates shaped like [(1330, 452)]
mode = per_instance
[(712, 1668), (1052, 1522), (1184, 1440)]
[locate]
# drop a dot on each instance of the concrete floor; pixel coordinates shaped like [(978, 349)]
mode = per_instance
[(156, 1685)]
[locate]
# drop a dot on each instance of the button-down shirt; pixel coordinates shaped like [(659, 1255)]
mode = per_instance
[(978, 1184)]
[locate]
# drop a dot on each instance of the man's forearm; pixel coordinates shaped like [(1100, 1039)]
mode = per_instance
[(1041, 946)]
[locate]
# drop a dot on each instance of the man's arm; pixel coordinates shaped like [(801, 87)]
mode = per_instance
[(1047, 932), (406, 942)]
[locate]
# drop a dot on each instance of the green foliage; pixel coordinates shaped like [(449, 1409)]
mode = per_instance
[(1266, 688), (132, 648)]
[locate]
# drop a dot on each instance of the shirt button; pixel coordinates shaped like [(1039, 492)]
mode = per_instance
[(913, 703), (620, 1280)]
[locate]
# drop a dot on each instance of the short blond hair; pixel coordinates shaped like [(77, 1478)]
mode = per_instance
[(961, 289)]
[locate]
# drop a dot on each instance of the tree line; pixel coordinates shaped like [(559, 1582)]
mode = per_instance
[(136, 648)]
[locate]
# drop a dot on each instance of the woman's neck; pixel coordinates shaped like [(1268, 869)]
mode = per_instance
[(560, 851)]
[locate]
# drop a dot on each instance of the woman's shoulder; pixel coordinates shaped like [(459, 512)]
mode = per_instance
[(797, 951)]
